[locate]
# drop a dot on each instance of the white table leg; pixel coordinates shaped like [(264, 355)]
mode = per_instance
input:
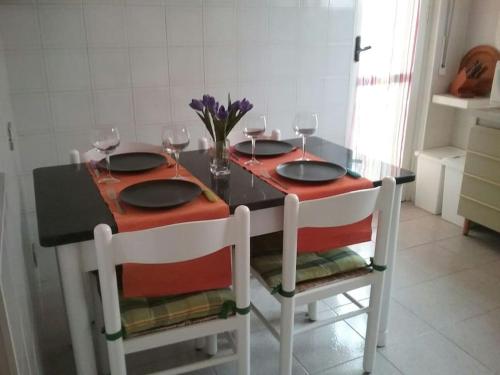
[(73, 285), (391, 262)]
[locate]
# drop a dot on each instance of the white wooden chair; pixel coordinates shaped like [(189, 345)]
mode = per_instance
[(186, 241), (76, 156), (331, 212)]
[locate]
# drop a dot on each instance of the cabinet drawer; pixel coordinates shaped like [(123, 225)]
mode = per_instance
[(483, 167), (482, 191), (485, 141), (479, 213)]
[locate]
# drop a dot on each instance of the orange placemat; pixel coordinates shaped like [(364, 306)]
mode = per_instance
[(140, 280), (315, 239)]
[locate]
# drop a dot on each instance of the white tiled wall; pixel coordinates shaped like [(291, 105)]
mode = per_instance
[(483, 27), (78, 64), (18, 287)]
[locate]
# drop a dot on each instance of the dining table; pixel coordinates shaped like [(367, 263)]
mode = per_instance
[(69, 206)]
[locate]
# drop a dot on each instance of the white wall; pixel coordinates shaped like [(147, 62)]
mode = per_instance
[(78, 64), (483, 28), (17, 294), (475, 22), (438, 122), (484, 23)]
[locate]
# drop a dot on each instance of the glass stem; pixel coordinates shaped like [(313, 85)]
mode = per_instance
[(108, 163), (303, 147), (253, 148), (176, 163)]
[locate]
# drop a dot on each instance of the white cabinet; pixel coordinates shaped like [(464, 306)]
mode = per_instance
[(453, 176), (430, 177), (480, 193)]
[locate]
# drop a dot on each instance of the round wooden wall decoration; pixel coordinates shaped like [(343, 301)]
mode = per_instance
[(475, 76)]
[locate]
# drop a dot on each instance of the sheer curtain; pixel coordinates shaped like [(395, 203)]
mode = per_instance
[(384, 79)]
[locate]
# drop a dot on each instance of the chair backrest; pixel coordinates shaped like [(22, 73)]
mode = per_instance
[(186, 241), (336, 211), (93, 154)]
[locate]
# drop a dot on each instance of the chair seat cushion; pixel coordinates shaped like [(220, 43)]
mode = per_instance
[(310, 266), (143, 315)]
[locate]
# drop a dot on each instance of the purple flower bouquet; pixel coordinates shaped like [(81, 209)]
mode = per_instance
[(219, 121)]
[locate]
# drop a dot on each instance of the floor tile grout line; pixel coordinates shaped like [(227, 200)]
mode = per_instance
[(411, 312), (355, 359), (294, 356), (344, 321), (413, 218), (467, 267), (391, 362), (435, 330), (332, 310), (462, 349), (472, 317), (439, 329), (442, 333), (440, 277), (427, 243), (440, 240), (337, 365)]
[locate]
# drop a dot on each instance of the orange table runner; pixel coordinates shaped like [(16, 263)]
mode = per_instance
[(315, 239), (140, 280)]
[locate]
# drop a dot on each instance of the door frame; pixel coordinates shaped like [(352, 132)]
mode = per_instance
[(353, 73), (7, 352), (415, 97)]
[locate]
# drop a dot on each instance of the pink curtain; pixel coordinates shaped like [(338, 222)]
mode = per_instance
[(384, 79)]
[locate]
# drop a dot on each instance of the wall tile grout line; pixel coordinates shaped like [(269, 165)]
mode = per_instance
[(92, 89)]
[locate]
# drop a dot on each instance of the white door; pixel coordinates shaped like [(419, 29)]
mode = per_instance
[(383, 78), (318, 64)]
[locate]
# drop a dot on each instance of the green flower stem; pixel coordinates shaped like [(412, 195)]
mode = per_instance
[(220, 149)]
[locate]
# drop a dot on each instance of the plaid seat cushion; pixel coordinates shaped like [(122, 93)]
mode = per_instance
[(310, 266), (143, 315)]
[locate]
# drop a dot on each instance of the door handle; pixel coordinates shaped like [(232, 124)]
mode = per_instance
[(358, 49), (9, 136)]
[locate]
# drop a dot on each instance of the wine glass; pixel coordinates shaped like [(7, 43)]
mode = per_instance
[(106, 140), (305, 124), (255, 126), (175, 140)]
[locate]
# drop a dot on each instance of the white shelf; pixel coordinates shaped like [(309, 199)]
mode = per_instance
[(463, 103), (440, 153)]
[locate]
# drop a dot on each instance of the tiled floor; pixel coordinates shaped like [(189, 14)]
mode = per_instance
[(445, 314)]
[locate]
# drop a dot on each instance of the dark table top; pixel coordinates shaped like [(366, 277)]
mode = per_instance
[(69, 206)]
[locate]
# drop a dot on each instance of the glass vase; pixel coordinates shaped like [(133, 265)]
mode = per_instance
[(219, 158)]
